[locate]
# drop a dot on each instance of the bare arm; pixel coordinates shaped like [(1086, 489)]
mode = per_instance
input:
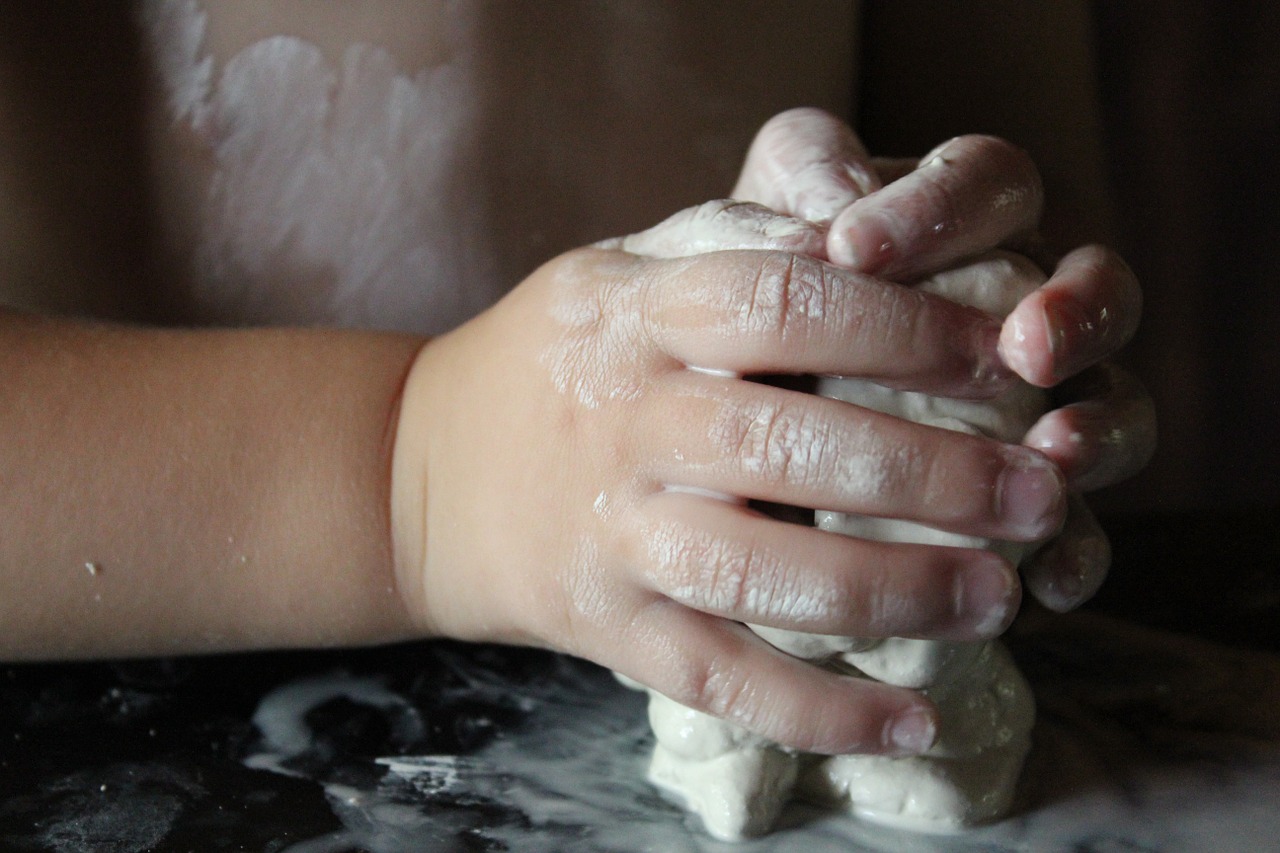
[(175, 490)]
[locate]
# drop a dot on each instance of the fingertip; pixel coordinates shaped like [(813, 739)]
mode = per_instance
[(1070, 573), (875, 719), (1085, 312), (1100, 441), (988, 594), (861, 242), (990, 376), (911, 731), (807, 163), (1024, 345), (1064, 435), (1031, 495)]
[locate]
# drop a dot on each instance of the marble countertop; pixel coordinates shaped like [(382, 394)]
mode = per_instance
[(1159, 730)]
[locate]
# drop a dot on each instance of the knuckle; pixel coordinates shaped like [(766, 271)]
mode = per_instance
[(779, 443), (768, 300), (719, 690), (735, 221), (731, 579), (902, 316), (724, 211), (703, 571), (779, 134), (786, 294)]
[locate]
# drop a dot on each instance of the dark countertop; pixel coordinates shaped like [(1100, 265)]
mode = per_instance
[(1157, 731)]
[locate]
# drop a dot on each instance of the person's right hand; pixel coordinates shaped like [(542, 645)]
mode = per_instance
[(571, 470)]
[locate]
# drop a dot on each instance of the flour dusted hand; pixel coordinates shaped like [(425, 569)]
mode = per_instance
[(590, 448), (738, 783)]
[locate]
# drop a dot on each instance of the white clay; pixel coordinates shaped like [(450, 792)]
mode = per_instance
[(739, 784)]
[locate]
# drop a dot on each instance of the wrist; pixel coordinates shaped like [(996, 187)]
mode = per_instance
[(408, 489)]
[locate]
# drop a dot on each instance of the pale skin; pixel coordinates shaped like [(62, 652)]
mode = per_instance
[(179, 491)]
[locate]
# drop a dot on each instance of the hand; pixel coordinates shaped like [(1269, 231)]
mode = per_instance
[(571, 470), (905, 219)]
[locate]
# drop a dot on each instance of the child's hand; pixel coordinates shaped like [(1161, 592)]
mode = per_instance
[(571, 467), (903, 220)]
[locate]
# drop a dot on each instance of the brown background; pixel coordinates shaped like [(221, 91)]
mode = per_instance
[(1176, 107)]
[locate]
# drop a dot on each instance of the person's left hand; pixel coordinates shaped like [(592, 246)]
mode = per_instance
[(903, 220)]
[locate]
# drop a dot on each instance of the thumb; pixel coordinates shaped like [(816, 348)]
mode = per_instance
[(806, 163)]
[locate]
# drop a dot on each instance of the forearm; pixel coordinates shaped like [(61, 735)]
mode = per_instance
[(171, 491)]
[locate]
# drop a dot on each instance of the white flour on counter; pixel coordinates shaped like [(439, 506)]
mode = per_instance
[(1146, 741)]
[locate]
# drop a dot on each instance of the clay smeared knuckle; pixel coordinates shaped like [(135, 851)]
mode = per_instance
[(699, 679), (721, 690), (784, 128), (903, 321), (734, 578), (771, 153), (713, 225), (703, 570), (724, 225), (784, 295), (767, 305), (778, 443), (730, 211)]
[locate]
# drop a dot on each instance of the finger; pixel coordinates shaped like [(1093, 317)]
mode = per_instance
[(753, 441), (971, 194), (806, 163), (1071, 569), (722, 558), (772, 312), (724, 225), (1087, 310), (721, 668), (1103, 439)]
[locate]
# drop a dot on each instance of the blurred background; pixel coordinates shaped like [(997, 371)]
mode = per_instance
[(1157, 125), (1172, 109)]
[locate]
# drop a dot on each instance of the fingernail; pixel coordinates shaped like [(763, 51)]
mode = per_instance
[(1066, 588), (1076, 580), (864, 243), (990, 374), (1013, 351), (911, 732), (1030, 496), (1075, 338), (986, 597)]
